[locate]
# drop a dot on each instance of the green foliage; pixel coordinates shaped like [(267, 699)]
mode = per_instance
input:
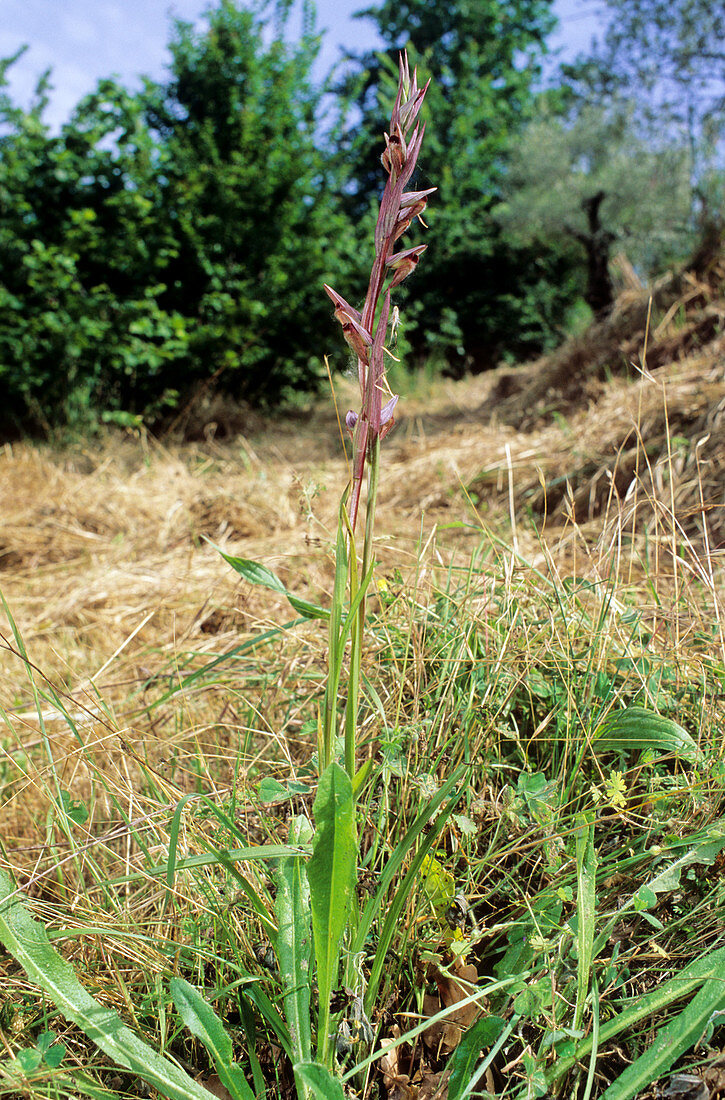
[(204, 1023), (294, 942), (169, 241), (255, 573), (332, 873), (480, 295), (245, 189), (665, 60), (27, 941), (560, 164)]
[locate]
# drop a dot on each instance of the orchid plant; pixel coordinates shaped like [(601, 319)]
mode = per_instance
[(317, 929), (366, 333)]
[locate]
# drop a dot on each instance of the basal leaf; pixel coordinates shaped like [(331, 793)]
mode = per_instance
[(203, 1022), (331, 872), (319, 1082), (671, 1041), (294, 942), (638, 728)]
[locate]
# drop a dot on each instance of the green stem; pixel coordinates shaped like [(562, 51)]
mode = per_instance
[(358, 630)]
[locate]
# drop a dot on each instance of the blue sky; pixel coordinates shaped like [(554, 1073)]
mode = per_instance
[(84, 40)]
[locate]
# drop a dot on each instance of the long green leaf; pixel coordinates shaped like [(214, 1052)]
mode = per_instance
[(331, 873), (586, 862), (258, 574), (708, 967), (203, 1022), (672, 1040), (482, 1034), (294, 942), (26, 939), (639, 728)]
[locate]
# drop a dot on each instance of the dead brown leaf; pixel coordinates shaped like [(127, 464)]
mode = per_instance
[(715, 1075), (443, 1036), (397, 1084)]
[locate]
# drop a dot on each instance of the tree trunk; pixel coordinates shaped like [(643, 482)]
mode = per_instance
[(597, 242)]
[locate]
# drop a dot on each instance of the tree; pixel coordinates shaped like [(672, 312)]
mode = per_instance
[(595, 181), (666, 59), (171, 239), (80, 247), (245, 189), (483, 57)]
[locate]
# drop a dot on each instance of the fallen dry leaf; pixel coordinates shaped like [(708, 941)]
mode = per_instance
[(715, 1074), (443, 1036), (397, 1084), (214, 1086), (434, 1086)]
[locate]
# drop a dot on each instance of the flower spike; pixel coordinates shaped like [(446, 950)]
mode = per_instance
[(366, 331)]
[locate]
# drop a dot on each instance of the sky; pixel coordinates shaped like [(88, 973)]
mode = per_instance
[(85, 40)]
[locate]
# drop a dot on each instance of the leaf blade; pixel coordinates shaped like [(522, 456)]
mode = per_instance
[(331, 873)]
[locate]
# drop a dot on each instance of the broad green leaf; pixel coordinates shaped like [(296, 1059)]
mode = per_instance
[(331, 872), (481, 1035), (260, 575), (29, 1060), (319, 1082), (638, 728), (26, 939), (705, 852), (671, 1041), (438, 884), (203, 1022), (294, 942), (271, 790)]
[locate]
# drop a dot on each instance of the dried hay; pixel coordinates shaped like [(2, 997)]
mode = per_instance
[(105, 565), (679, 316)]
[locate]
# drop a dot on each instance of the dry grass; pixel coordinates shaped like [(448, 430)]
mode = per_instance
[(585, 472), (104, 563)]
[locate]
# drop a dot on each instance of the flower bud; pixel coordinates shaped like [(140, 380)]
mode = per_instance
[(393, 158), (403, 263)]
